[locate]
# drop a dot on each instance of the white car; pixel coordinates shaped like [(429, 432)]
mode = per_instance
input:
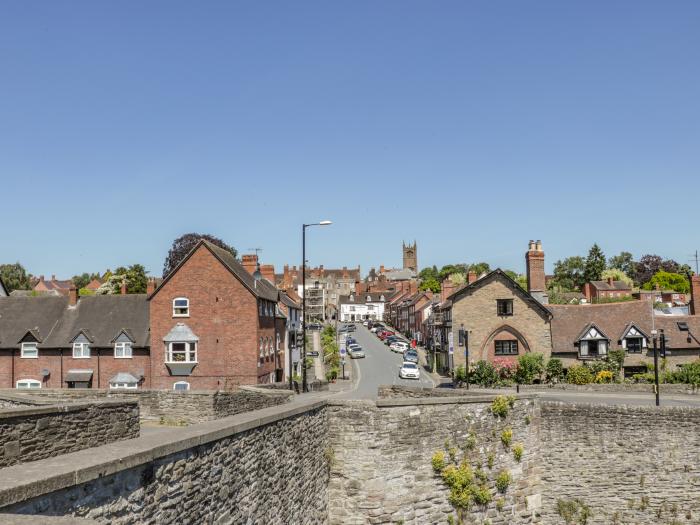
[(409, 371), (398, 347)]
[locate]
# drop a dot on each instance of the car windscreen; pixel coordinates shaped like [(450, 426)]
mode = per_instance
[(409, 365)]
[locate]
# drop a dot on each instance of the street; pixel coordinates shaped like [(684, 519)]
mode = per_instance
[(380, 367)]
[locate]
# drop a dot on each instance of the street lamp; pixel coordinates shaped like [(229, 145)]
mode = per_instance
[(464, 341), (654, 333), (305, 386)]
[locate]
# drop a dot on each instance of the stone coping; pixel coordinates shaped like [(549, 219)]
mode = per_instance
[(29, 480), (24, 399), (53, 408), (86, 392), (25, 519), (445, 400)]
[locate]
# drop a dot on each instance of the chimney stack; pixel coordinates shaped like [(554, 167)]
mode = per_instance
[(123, 290), (381, 268), (268, 272), (471, 277), (73, 296), (250, 262), (534, 263), (41, 278), (611, 281), (151, 286), (448, 288), (53, 277), (695, 295)]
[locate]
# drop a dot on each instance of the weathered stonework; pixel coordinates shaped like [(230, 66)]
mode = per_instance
[(187, 407), (31, 434), (382, 469)]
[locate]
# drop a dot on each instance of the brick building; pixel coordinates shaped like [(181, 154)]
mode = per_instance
[(610, 289), (213, 325)]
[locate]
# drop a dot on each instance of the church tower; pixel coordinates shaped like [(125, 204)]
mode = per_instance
[(410, 257)]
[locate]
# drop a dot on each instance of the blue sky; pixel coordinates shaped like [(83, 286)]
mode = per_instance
[(471, 127)]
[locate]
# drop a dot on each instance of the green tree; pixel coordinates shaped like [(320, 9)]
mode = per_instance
[(569, 273), (595, 264), (519, 278), (530, 367), (184, 244), (431, 284), (480, 268), (617, 275), (15, 277), (429, 273), (449, 269), (458, 278), (668, 281), (623, 262), (134, 275)]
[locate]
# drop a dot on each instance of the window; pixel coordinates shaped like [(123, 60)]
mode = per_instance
[(593, 348), (504, 306), (181, 307), (29, 351), (181, 385), (262, 348), (123, 386), (81, 350), (634, 345), (28, 383), (122, 350), (182, 353), (509, 347), (277, 347)]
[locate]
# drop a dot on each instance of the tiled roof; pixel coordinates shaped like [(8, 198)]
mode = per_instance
[(19, 315), (677, 338), (605, 285), (569, 321)]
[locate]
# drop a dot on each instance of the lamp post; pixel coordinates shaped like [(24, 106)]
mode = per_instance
[(464, 341), (305, 386), (654, 333)]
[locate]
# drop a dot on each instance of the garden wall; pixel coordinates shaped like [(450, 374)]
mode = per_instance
[(34, 433), (184, 408)]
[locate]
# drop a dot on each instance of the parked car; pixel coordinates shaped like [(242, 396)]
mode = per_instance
[(365, 322), (386, 333), (350, 328), (411, 356), (349, 341), (399, 347), (391, 339), (409, 371), (356, 352), (376, 328)]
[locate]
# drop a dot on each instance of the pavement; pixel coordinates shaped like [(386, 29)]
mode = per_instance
[(379, 367)]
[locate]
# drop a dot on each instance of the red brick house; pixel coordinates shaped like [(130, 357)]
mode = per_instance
[(607, 290), (55, 286), (213, 325)]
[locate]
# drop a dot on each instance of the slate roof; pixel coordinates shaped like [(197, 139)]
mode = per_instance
[(101, 318), (400, 275), (262, 288), (19, 315), (288, 301), (677, 338), (569, 321)]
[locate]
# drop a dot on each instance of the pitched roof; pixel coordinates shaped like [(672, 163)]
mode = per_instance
[(499, 274), (288, 301), (19, 315), (677, 338), (260, 288), (101, 318), (569, 321), (3, 289), (605, 285)]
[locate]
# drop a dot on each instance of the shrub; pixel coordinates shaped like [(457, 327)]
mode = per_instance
[(481, 495), (579, 375), (500, 504), (604, 376), (530, 368), (688, 374), (502, 481), (500, 406), (554, 370), (481, 475), (573, 511), (484, 374), (470, 443), (518, 450), (460, 375), (461, 498), (505, 369), (439, 461), (490, 461), (507, 436)]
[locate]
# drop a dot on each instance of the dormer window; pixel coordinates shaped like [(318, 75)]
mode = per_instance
[(29, 351), (634, 340), (81, 350), (369, 298), (593, 343), (123, 350), (181, 307)]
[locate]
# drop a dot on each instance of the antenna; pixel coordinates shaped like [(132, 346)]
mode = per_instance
[(696, 259), (256, 250)]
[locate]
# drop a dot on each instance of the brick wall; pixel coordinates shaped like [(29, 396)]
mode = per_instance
[(31, 434)]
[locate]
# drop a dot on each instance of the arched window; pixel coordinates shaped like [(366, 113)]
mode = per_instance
[(181, 385), (28, 383), (181, 307)]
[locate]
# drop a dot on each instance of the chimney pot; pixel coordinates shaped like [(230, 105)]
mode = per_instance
[(151, 286), (123, 288), (471, 277)]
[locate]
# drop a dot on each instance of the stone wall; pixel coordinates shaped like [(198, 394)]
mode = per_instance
[(184, 408), (382, 470), (268, 467), (636, 465), (630, 388), (31, 434), (400, 391)]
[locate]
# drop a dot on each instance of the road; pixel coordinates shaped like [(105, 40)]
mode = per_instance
[(380, 367)]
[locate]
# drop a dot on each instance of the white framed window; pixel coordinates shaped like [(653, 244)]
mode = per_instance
[(262, 348), (123, 350), (182, 352), (81, 350), (28, 383), (29, 351), (123, 386), (181, 307), (181, 385)]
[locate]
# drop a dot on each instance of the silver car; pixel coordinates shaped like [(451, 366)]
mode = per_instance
[(409, 371), (356, 351), (410, 356)]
